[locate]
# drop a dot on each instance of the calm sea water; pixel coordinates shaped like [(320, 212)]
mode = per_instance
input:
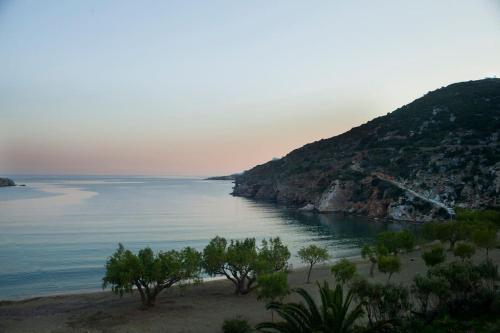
[(56, 232)]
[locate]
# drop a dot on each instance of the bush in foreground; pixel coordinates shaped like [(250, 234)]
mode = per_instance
[(334, 314), (272, 287), (237, 325)]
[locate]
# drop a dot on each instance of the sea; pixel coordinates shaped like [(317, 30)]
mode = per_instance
[(56, 232)]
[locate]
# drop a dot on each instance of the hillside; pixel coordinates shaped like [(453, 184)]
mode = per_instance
[(417, 163)]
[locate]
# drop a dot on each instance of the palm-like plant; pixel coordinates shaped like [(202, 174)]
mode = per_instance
[(333, 316)]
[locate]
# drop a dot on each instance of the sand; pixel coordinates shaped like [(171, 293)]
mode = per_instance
[(196, 309)]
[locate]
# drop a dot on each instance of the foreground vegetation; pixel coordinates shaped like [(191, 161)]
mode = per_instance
[(454, 295)]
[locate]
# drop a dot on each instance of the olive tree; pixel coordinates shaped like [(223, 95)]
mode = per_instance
[(370, 253), (434, 256), (240, 261), (450, 231), (485, 235), (394, 241), (389, 264), (344, 270), (312, 255), (150, 273)]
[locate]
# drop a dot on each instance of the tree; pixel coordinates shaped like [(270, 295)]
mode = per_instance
[(273, 255), (429, 230), (389, 264), (485, 235), (452, 232), (150, 273), (431, 292), (312, 255), (344, 270), (474, 215), (241, 262), (434, 256), (335, 314), (396, 241), (272, 287), (384, 304), (464, 250), (367, 252)]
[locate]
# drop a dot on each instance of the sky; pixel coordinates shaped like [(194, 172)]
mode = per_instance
[(216, 87)]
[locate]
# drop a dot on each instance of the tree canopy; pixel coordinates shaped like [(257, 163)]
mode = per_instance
[(312, 255), (240, 261), (150, 273)]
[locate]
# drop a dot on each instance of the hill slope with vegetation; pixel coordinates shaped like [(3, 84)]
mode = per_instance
[(419, 162)]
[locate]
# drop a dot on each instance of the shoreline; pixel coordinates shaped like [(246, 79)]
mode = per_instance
[(198, 308), (298, 268)]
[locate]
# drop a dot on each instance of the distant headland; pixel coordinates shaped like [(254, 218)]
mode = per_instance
[(4, 182), (418, 163), (228, 177)]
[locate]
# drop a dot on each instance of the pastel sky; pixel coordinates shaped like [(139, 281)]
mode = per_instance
[(215, 87)]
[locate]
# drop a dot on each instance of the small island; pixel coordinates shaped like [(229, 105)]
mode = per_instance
[(4, 182)]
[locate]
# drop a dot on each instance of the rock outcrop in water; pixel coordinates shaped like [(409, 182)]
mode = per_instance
[(419, 162), (6, 182)]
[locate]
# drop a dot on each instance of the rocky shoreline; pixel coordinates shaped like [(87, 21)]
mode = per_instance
[(419, 163)]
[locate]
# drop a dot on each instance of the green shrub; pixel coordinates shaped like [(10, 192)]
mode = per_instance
[(344, 270), (434, 256), (382, 303), (431, 292), (464, 250), (237, 325), (389, 264), (273, 286), (336, 313), (396, 241)]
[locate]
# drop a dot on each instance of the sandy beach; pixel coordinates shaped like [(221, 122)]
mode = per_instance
[(200, 308)]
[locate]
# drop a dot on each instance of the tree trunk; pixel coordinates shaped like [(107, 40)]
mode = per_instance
[(390, 274), (240, 287), (143, 296), (372, 267), (152, 299), (309, 273)]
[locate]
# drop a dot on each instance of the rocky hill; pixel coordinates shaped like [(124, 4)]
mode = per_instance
[(419, 162), (6, 182)]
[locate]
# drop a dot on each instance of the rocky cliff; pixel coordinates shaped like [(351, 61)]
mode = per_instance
[(419, 162), (6, 182)]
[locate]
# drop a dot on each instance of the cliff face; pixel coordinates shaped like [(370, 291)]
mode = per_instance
[(6, 182), (417, 163)]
